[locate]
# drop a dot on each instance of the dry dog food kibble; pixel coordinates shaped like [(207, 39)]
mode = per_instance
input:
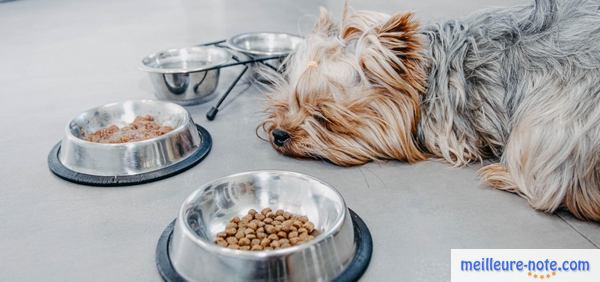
[(266, 230), (142, 128)]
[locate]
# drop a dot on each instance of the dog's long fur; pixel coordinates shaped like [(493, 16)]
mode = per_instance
[(518, 86)]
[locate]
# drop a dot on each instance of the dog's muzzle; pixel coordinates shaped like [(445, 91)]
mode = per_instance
[(280, 136)]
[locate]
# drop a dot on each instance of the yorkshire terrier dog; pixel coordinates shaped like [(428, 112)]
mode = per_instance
[(519, 87)]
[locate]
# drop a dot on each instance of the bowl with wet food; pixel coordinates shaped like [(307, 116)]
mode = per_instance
[(129, 138)]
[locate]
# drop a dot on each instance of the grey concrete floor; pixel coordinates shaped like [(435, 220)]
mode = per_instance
[(58, 58)]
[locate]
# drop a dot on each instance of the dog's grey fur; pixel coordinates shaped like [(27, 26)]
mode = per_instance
[(521, 85), (516, 86)]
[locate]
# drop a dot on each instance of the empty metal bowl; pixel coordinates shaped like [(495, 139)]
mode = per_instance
[(195, 257), (187, 75), (265, 44), (129, 158)]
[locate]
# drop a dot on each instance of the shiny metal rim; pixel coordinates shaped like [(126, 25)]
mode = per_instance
[(228, 252), (227, 59), (235, 47)]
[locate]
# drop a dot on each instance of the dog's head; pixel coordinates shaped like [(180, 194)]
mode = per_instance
[(350, 94)]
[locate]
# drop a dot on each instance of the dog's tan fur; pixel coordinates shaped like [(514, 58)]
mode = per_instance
[(323, 114)]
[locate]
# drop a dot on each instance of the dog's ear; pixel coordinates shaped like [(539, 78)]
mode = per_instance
[(391, 55), (345, 11), (325, 24), (400, 35)]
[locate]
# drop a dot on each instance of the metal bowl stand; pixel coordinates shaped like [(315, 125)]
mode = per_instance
[(212, 113)]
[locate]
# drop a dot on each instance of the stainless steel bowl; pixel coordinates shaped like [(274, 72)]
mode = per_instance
[(204, 213), (187, 75), (262, 44), (265, 44), (130, 158)]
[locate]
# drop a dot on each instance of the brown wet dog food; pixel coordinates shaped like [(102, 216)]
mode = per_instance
[(142, 128), (266, 230)]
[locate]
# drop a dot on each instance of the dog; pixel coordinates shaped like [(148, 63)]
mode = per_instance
[(517, 88)]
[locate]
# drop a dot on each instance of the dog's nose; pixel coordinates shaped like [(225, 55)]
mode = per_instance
[(280, 136)]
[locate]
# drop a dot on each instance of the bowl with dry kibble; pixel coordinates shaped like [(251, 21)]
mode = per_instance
[(264, 226)]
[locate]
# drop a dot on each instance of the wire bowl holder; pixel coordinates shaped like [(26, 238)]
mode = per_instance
[(190, 75)]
